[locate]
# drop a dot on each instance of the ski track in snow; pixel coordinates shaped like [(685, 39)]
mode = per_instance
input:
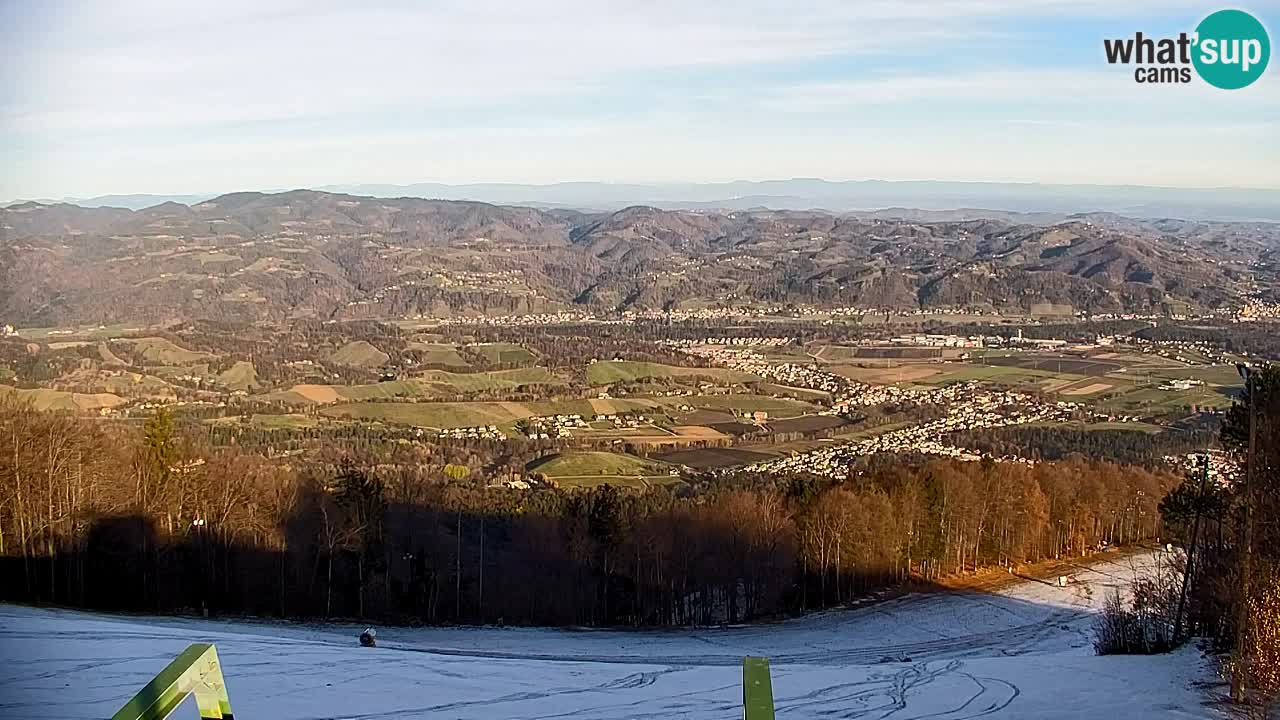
[(1022, 652)]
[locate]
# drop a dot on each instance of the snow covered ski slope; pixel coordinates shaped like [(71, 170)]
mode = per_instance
[(1021, 653)]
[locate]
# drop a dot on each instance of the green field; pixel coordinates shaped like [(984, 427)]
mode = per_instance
[(91, 332), (1132, 391), (1224, 375), (428, 414), (1150, 399), (430, 384), (359, 354), (385, 390), (240, 376), (997, 374), (437, 354), (776, 407), (444, 415), (595, 463), (494, 380), (795, 392), (786, 354), (133, 385), (502, 353), (607, 372), (43, 399), (589, 469), (159, 351)]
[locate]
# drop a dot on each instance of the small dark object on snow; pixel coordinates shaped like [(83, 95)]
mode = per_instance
[(369, 638)]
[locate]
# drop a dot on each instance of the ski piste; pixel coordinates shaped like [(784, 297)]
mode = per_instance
[(197, 672)]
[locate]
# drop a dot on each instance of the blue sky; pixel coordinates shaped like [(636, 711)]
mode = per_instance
[(175, 97)]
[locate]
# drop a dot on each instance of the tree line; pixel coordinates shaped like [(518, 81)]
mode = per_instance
[(153, 519), (1230, 527), (1057, 442)]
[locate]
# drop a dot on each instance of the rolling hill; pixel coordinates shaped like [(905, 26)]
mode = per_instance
[(305, 254)]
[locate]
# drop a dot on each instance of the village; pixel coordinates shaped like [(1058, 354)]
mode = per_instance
[(967, 406), (973, 409), (479, 432)]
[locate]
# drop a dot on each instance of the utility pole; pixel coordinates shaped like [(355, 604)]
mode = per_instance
[(1240, 679)]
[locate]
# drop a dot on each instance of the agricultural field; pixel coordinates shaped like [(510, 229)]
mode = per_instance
[(43, 399), (359, 354), (447, 415), (440, 354), (502, 353), (786, 354), (607, 372), (1215, 375), (588, 469), (843, 353), (437, 415), (744, 403), (493, 380), (902, 373), (68, 344), (712, 458), (159, 351), (667, 424), (715, 457), (1152, 400), (115, 382), (240, 376), (1004, 375), (430, 384), (1057, 365), (89, 332), (808, 423), (1111, 382), (799, 393)]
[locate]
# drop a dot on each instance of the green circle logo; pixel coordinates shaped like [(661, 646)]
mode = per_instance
[(1232, 49)]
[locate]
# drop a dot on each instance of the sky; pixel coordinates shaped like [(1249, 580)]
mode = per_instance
[(166, 96)]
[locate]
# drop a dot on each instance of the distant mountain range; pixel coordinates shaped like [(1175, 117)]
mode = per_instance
[(306, 254), (1238, 204)]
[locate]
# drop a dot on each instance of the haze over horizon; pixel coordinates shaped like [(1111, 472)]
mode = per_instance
[(133, 97), (935, 198)]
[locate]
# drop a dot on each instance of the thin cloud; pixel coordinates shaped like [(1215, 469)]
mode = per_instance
[(1039, 85), (87, 87)]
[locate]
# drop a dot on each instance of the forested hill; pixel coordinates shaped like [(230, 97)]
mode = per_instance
[(254, 256)]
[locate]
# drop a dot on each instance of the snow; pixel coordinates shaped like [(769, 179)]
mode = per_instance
[(1021, 653)]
